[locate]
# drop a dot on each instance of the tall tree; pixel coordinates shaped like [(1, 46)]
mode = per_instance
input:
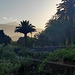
[(66, 12), (55, 30), (61, 27), (25, 27)]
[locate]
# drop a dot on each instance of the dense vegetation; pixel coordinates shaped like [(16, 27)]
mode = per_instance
[(60, 30), (64, 56), (22, 57), (4, 38), (19, 60), (25, 27)]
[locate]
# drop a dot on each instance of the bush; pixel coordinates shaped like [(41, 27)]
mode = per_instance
[(11, 61), (66, 55)]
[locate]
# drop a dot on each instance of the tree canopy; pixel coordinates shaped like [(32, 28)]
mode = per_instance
[(4, 39), (60, 29), (25, 27)]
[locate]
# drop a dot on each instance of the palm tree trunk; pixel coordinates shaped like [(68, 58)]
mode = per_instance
[(31, 34), (25, 36)]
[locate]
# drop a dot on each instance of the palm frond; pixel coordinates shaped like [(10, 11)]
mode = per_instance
[(25, 27)]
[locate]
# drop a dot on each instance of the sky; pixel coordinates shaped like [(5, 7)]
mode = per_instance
[(38, 12)]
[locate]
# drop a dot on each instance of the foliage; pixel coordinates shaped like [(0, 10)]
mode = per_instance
[(60, 29), (11, 61), (18, 60), (25, 27), (74, 73), (30, 41), (66, 55), (66, 10), (41, 67), (55, 32), (4, 38), (42, 39)]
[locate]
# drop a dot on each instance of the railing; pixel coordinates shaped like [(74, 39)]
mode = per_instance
[(68, 68)]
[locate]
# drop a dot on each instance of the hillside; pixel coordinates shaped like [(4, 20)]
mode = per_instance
[(9, 30)]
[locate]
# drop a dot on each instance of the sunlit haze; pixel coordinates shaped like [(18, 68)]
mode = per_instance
[(37, 11)]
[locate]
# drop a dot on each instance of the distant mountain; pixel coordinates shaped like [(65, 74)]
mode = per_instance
[(9, 30), (12, 23)]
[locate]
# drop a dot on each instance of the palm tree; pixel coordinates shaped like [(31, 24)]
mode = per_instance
[(25, 27)]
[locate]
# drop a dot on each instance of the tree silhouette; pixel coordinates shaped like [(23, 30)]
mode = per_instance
[(55, 31), (25, 27), (66, 12), (4, 39), (61, 28)]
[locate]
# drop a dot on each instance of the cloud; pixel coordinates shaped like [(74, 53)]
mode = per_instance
[(5, 18), (9, 19)]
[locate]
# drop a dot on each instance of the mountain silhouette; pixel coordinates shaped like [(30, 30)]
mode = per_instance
[(9, 30)]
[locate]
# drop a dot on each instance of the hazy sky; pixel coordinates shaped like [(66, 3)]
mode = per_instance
[(37, 11)]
